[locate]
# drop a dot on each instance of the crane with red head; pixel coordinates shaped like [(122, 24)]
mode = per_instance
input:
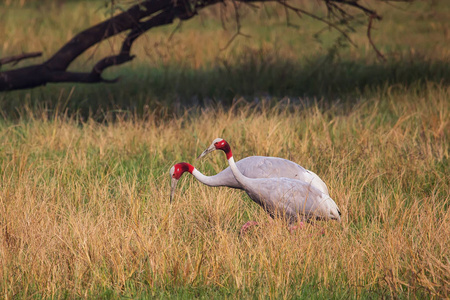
[(253, 167), (291, 198)]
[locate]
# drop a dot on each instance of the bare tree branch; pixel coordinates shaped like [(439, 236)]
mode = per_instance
[(124, 56), (238, 26), (140, 18), (17, 58), (369, 28), (54, 69), (300, 11)]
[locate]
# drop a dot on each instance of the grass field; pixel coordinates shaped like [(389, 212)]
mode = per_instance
[(84, 188)]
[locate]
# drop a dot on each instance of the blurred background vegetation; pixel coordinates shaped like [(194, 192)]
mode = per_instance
[(191, 64)]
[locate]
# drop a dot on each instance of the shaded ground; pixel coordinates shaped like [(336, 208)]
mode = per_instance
[(256, 75)]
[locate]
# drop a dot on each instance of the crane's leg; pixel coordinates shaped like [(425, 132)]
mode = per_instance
[(247, 225), (300, 225)]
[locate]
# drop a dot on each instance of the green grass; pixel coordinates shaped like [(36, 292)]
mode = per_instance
[(84, 184)]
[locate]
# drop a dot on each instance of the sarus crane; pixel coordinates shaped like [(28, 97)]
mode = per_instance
[(253, 167), (282, 196)]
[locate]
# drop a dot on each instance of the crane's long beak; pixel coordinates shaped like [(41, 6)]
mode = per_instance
[(173, 186), (209, 150)]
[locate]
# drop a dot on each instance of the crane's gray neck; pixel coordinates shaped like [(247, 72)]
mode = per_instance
[(237, 174), (208, 180)]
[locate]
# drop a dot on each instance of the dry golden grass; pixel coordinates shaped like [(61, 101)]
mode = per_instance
[(85, 210), (84, 206)]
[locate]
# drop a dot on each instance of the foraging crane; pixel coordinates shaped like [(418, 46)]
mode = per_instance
[(253, 167), (271, 167), (280, 195)]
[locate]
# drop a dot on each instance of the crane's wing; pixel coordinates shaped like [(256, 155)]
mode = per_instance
[(269, 167), (291, 198), (273, 167)]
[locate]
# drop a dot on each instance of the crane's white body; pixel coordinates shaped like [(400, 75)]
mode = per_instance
[(253, 167), (287, 197), (262, 167)]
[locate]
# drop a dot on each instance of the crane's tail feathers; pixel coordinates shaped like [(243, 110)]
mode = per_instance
[(335, 214)]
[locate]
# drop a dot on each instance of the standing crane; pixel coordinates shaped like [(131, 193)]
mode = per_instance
[(253, 167), (283, 196)]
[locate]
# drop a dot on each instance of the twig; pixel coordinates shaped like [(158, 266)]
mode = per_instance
[(355, 3), (369, 29), (16, 58), (300, 11), (177, 28), (238, 25), (288, 21), (223, 18), (344, 15)]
